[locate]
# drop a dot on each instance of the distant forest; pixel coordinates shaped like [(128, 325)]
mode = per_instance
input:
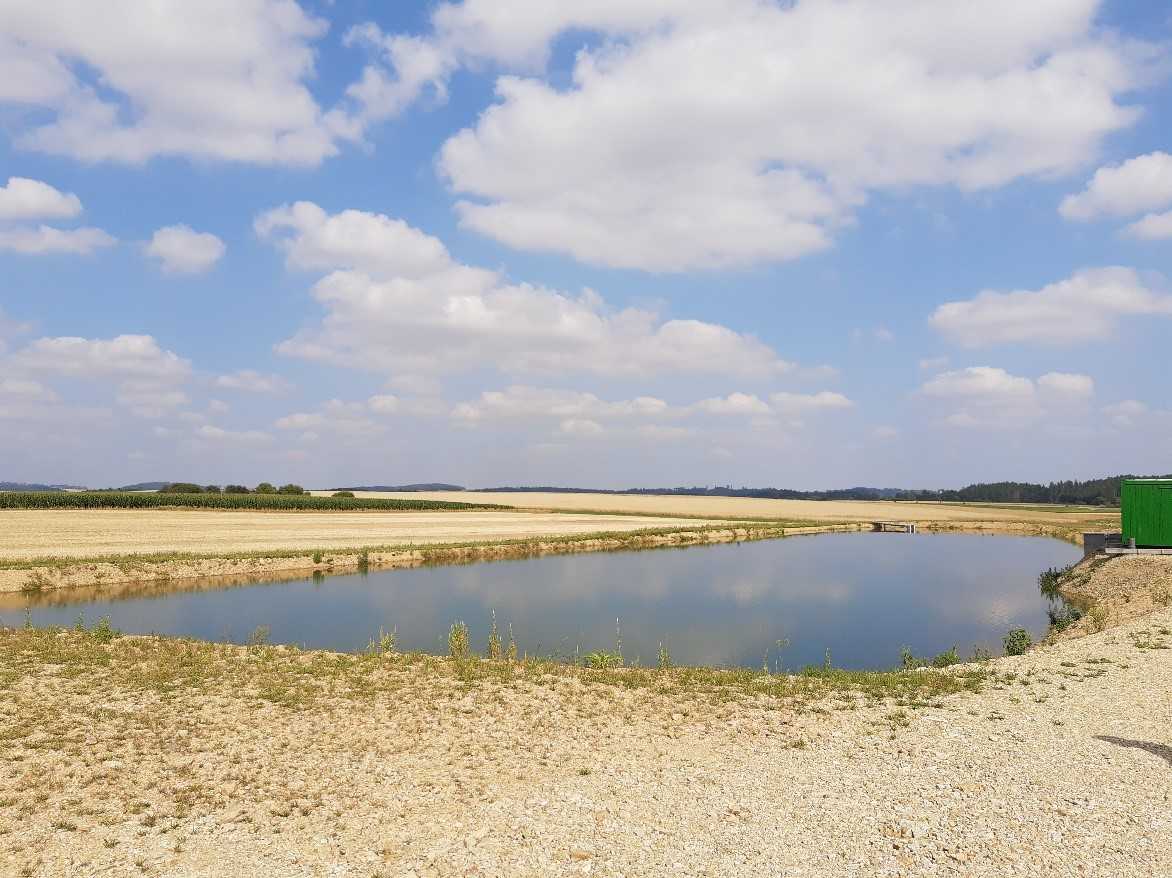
[(1093, 492)]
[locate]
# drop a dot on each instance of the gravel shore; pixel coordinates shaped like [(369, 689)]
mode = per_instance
[(145, 757)]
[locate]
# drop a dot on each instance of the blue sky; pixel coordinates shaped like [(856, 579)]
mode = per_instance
[(814, 244)]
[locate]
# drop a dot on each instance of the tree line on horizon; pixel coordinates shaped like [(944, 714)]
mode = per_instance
[(1071, 492)]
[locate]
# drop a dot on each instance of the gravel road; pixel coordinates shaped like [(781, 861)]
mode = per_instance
[(1061, 765)]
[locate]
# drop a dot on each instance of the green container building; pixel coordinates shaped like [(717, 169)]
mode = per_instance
[(1147, 512)]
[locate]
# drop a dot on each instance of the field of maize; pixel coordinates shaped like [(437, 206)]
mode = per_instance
[(287, 502)]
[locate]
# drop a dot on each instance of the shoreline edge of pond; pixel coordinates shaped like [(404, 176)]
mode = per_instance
[(32, 576)]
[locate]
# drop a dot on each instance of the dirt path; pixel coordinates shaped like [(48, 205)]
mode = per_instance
[(147, 758)]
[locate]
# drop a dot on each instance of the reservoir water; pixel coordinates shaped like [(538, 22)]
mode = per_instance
[(862, 597)]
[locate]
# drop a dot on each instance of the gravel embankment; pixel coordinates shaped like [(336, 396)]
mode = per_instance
[(1061, 765)]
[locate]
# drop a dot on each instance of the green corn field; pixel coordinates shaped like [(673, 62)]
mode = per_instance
[(135, 500)]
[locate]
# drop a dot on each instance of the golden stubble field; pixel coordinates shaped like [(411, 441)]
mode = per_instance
[(751, 507), (28, 534), (89, 533)]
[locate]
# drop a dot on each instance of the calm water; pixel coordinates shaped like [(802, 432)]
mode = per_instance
[(861, 596)]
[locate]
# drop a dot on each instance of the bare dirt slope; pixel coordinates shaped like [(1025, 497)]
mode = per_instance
[(1061, 766), (93, 532), (1111, 590), (751, 507)]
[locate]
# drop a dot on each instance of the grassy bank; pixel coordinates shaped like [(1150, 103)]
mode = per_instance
[(280, 502), (296, 678)]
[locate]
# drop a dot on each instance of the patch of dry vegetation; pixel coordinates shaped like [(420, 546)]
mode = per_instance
[(1112, 590)]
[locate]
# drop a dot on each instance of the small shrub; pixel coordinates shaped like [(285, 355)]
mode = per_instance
[(664, 660), (317, 557), (494, 640), (511, 651), (385, 643), (946, 658), (980, 654), (259, 636), (35, 584), (1161, 595), (1017, 641), (1050, 579), (458, 641), (909, 661), (342, 494), (103, 632), (602, 660), (364, 561), (1097, 617), (1063, 615)]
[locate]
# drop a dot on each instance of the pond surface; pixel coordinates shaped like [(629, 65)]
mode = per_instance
[(860, 596)]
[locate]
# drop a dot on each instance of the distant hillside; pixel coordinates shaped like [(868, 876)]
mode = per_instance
[(423, 486), (33, 486), (144, 486), (1093, 492), (767, 493)]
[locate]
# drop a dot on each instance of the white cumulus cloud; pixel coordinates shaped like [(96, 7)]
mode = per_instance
[(23, 199), (1086, 306), (731, 132), (1136, 186), (182, 250), (397, 301), (251, 381), (46, 239), (988, 397), (146, 379), (127, 81), (1153, 227), (219, 434)]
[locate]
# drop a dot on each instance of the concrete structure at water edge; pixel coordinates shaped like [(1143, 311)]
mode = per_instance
[(1146, 506), (1147, 513)]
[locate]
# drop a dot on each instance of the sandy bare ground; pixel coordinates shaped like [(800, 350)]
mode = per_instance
[(148, 758), (94, 532), (750, 507)]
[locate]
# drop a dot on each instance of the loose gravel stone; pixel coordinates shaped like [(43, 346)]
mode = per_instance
[(1061, 765)]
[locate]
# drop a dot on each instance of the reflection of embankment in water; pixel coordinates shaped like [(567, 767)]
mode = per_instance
[(97, 572), (414, 557), (166, 587), (151, 588)]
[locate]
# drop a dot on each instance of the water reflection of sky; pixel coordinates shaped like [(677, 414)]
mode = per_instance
[(861, 596)]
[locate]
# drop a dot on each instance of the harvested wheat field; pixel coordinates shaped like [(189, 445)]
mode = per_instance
[(752, 507), (88, 533), (139, 756)]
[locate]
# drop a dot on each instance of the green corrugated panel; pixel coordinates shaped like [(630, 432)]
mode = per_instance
[(1147, 512)]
